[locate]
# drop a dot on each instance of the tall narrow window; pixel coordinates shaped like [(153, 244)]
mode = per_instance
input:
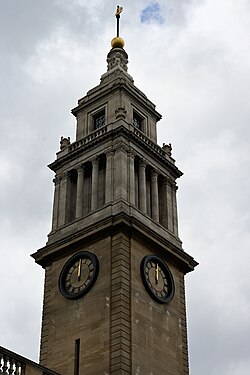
[(71, 196), (99, 119), (137, 182), (162, 201), (148, 192), (137, 121), (102, 176), (77, 357), (87, 188)]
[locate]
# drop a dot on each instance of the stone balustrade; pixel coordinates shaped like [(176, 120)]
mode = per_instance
[(13, 364), (164, 152), (74, 146), (150, 143)]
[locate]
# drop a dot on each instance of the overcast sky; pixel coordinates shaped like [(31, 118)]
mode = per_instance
[(192, 59)]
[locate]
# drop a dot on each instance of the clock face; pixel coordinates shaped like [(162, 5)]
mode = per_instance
[(157, 278), (78, 275)]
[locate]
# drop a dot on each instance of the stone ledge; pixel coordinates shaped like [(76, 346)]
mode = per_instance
[(114, 218)]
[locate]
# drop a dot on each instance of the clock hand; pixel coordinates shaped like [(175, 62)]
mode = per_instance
[(157, 274), (79, 269)]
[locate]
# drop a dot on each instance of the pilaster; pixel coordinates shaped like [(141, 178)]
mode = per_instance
[(120, 315), (94, 186), (109, 176), (46, 323), (175, 213), (155, 198), (183, 326), (63, 199), (55, 213), (79, 191), (142, 186), (131, 173), (170, 205), (121, 172)]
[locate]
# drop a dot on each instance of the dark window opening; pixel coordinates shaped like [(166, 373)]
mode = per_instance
[(71, 196), (102, 180), (87, 188), (136, 182), (77, 357), (137, 121), (99, 119), (148, 192), (162, 202)]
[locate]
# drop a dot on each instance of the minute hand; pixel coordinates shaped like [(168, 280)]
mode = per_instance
[(157, 274), (79, 269)]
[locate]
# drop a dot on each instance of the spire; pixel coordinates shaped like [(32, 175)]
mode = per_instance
[(118, 42), (117, 55)]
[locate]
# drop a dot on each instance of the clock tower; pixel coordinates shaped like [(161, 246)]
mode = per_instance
[(114, 296)]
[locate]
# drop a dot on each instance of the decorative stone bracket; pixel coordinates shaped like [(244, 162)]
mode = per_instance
[(121, 113)]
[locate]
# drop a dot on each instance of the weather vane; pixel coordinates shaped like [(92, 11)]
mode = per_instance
[(117, 14)]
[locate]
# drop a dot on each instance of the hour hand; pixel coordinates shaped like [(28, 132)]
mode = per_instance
[(157, 274), (79, 269)]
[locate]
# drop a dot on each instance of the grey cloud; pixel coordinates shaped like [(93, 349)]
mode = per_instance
[(198, 79)]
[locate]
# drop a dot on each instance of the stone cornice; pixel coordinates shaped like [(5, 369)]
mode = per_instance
[(102, 134), (104, 90), (122, 221)]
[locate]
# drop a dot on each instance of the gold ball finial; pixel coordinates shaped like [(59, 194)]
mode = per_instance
[(117, 42)]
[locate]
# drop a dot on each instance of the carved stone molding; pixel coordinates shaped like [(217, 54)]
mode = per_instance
[(64, 143), (117, 57), (131, 153), (121, 113), (109, 152), (168, 181), (57, 179), (80, 168), (172, 184), (167, 148), (65, 175), (94, 160), (154, 173), (142, 163), (121, 147)]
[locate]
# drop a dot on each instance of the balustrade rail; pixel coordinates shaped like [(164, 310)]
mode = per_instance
[(148, 141), (13, 364), (88, 138)]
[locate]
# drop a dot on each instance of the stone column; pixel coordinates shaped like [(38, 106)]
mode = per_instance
[(154, 195), (131, 166), (94, 189), (170, 205), (62, 214), (142, 186), (79, 191), (121, 172), (56, 181), (109, 178), (164, 207), (175, 213)]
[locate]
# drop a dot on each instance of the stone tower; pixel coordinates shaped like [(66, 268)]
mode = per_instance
[(114, 298)]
